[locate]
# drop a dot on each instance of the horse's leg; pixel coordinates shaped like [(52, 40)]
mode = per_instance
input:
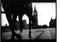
[(20, 21), (8, 15), (14, 22), (29, 27), (29, 14)]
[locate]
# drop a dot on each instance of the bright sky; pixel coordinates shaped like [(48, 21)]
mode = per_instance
[(46, 11)]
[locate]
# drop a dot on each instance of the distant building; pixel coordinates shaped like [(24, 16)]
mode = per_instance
[(17, 25), (52, 23), (44, 26), (35, 19), (25, 25), (5, 28)]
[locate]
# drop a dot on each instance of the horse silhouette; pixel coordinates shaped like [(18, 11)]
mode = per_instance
[(19, 8)]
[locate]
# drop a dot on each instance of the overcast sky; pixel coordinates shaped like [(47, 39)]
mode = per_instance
[(46, 11)]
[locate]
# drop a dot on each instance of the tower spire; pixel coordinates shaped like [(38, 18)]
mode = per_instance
[(35, 21)]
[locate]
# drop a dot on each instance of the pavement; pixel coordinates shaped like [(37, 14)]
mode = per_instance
[(47, 33)]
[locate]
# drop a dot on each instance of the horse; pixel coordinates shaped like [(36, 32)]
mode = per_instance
[(17, 8)]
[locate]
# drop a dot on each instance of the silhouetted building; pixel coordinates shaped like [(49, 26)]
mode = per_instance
[(5, 28), (25, 25), (44, 26), (35, 19), (17, 27), (52, 23)]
